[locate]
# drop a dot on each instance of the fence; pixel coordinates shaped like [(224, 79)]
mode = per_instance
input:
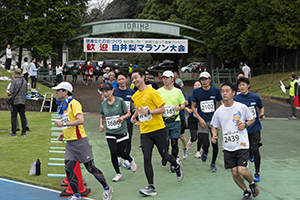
[(47, 75)]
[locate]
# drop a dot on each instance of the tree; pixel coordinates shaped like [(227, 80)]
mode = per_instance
[(39, 25)]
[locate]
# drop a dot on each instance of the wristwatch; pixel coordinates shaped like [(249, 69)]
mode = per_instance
[(148, 112), (64, 123), (246, 125)]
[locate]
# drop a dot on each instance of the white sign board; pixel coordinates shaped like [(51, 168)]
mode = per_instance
[(134, 45)]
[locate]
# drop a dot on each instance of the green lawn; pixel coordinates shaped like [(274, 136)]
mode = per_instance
[(17, 153)]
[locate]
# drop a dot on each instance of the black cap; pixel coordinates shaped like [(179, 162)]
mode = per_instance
[(106, 86)]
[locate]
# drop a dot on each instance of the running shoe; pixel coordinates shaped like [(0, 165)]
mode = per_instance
[(254, 189), (247, 195), (256, 177), (119, 161), (179, 162), (213, 167), (75, 197), (172, 168), (13, 135), (292, 117), (117, 178), (126, 164), (163, 162), (185, 153), (204, 156), (198, 155), (189, 144), (251, 158), (148, 191), (133, 165), (107, 193), (23, 134), (179, 172)]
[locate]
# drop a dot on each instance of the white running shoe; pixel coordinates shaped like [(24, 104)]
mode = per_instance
[(198, 155), (133, 165), (126, 164), (73, 197), (189, 144), (185, 153), (117, 178), (107, 194)]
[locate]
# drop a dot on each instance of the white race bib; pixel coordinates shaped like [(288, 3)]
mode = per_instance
[(253, 111), (207, 106), (146, 117), (112, 123), (231, 138), (169, 111), (128, 104), (65, 118)]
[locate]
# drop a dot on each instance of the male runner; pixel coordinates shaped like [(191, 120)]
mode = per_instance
[(78, 147), (206, 97), (234, 118), (150, 107), (252, 100)]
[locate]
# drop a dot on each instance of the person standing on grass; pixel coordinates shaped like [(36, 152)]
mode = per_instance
[(18, 89), (206, 98), (117, 136), (78, 147), (150, 107), (33, 74), (234, 118), (252, 100), (293, 91), (8, 57), (125, 93), (25, 69)]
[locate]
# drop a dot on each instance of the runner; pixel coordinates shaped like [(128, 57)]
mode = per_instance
[(171, 116), (78, 147), (65, 71), (148, 82), (85, 73), (238, 76), (90, 69), (111, 80), (117, 136), (125, 93), (74, 73), (193, 121), (150, 107), (252, 101), (206, 97), (234, 118), (97, 71)]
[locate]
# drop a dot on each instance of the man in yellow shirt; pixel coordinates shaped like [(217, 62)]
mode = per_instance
[(150, 107), (78, 147)]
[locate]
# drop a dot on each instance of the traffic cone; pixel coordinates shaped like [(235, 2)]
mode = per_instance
[(192, 75), (65, 182), (84, 192)]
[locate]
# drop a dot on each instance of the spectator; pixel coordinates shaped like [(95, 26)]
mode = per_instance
[(18, 90), (59, 71), (33, 74), (25, 68), (9, 94), (247, 70), (8, 57), (293, 87)]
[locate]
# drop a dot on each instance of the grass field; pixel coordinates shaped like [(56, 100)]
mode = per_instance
[(17, 153)]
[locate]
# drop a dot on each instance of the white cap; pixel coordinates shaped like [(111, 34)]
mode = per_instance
[(107, 68), (65, 86), (168, 73), (116, 64), (204, 75)]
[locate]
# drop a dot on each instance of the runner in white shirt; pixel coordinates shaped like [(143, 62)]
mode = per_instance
[(247, 70), (234, 118)]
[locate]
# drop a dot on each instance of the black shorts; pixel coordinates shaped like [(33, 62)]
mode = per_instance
[(192, 123), (254, 137), (91, 76), (183, 126), (65, 73), (236, 158), (96, 73)]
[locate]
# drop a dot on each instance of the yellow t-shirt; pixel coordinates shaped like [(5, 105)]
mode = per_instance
[(149, 98), (73, 132)]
